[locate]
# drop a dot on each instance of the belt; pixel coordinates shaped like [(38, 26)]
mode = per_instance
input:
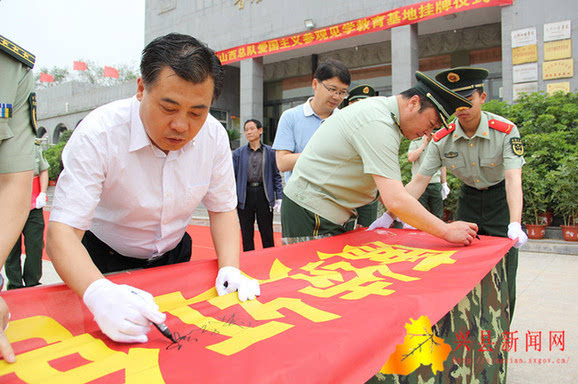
[(142, 262), (258, 184), (499, 185)]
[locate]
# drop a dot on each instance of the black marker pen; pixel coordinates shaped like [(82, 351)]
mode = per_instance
[(165, 331)]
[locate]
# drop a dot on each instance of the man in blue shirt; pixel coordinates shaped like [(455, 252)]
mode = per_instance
[(298, 124)]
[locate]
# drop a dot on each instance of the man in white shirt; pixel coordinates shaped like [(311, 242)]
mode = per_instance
[(134, 172)]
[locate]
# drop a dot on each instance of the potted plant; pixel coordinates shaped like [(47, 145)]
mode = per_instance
[(534, 186), (564, 183)]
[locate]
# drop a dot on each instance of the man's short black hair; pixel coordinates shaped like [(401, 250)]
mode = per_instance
[(191, 60), (424, 101), (333, 68), (257, 123)]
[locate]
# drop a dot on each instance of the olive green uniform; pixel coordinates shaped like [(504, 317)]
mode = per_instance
[(479, 162), (328, 185), (431, 199), (17, 108), (33, 233)]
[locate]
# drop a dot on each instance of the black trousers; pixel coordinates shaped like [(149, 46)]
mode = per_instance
[(33, 233), (256, 205), (107, 260)]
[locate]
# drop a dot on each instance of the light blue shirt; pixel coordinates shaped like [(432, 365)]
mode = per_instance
[(296, 127)]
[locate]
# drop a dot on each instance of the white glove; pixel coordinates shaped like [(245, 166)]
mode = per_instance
[(229, 279), (406, 225), (41, 200), (122, 312), (445, 191), (277, 207), (515, 231), (384, 221)]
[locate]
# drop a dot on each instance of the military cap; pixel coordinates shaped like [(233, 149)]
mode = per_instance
[(463, 80), (445, 101), (361, 92)]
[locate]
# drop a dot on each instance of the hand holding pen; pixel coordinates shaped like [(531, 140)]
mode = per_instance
[(122, 312)]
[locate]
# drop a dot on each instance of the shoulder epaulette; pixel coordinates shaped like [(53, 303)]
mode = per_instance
[(501, 126), (17, 52), (444, 132)]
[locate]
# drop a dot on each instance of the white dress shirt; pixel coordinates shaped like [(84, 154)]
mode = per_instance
[(131, 195)]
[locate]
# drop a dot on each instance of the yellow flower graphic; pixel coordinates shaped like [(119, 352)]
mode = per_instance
[(420, 347)]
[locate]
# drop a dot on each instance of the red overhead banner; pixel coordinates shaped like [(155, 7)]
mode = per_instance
[(409, 14), (331, 311)]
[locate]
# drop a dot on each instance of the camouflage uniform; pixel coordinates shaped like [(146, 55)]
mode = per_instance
[(481, 310)]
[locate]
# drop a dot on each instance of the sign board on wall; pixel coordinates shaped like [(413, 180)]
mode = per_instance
[(524, 88), (525, 54), (525, 73), (558, 69), (523, 37), (557, 87), (557, 31), (556, 50)]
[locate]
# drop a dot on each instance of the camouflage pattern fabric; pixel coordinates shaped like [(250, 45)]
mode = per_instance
[(474, 329), (488, 208)]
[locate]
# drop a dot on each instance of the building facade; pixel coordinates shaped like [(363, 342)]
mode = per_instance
[(271, 48)]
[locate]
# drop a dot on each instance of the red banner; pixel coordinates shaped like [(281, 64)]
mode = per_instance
[(331, 310), (410, 14)]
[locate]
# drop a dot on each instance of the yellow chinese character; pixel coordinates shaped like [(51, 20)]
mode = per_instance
[(283, 43), (362, 25), (232, 55), (262, 48), (377, 21), (409, 14), (251, 50), (244, 335), (140, 364), (308, 38), (273, 45), (426, 10), (393, 18), (241, 3), (242, 52), (334, 31), (460, 4), (347, 28), (443, 5), (296, 40), (321, 34)]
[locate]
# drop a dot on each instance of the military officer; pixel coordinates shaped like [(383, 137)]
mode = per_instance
[(33, 231), (17, 131), (437, 189), (485, 151), (355, 153), (368, 213)]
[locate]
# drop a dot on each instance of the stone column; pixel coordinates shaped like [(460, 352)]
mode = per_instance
[(404, 57), (251, 92)]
